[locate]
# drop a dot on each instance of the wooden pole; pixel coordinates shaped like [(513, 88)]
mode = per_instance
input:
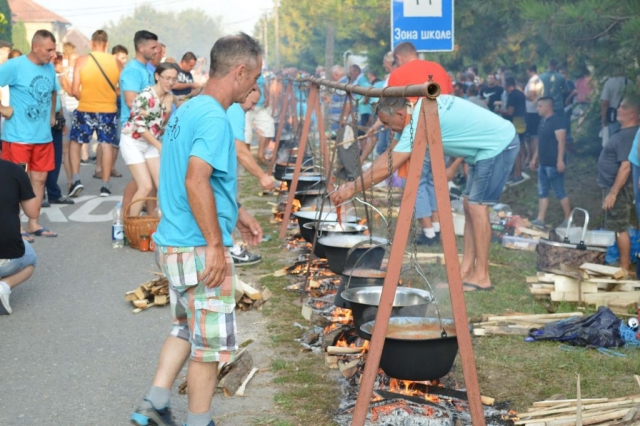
[(393, 270), (323, 139), (454, 276), (302, 146)]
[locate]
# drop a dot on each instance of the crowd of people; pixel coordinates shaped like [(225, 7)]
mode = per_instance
[(182, 136)]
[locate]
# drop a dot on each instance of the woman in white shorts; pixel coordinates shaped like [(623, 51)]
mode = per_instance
[(139, 142)]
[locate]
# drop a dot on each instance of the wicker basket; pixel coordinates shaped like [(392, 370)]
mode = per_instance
[(135, 226)]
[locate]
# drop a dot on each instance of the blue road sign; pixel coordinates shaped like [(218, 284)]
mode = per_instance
[(428, 24)]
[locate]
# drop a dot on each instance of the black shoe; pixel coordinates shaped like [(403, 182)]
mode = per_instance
[(85, 162), (245, 258), (104, 192), (62, 200), (45, 203), (76, 189), (423, 240)]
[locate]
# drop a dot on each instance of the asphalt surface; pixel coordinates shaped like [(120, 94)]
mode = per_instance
[(72, 352)]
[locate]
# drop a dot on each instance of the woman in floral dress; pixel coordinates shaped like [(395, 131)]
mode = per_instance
[(140, 140)]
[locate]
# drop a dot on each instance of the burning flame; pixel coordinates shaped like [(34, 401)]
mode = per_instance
[(342, 316), (406, 387)]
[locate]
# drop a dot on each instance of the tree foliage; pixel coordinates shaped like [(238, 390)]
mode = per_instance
[(360, 26), (189, 30), (5, 20), (19, 38)]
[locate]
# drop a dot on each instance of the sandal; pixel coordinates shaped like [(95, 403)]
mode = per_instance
[(115, 173), (28, 238), (97, 175), (44, 232)]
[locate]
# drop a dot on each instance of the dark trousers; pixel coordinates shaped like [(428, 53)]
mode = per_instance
[(53, 189)]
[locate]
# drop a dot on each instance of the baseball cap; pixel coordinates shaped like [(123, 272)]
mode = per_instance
[(5, 44)]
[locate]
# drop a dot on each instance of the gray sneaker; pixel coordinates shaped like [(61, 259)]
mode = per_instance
[(564, 224), (5, 309), (146, 414), (538, 224)]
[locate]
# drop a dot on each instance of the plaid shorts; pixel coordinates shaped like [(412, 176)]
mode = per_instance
[(618, 218), (203, 316)]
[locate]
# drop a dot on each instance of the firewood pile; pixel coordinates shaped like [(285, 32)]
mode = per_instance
[(624, 411), (591, 284), (516, 323), (154, 292), (248, 297)]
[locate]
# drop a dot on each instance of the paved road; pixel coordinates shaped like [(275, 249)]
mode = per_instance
[(72, 353)]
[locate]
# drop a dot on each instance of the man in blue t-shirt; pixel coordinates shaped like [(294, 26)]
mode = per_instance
[(486, 141), (26, 135), (198, 200), (134, 77)]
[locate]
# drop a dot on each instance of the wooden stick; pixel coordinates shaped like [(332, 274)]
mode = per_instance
[(569, 401), (240, 391), (343, 350), (578, 404), (536, 316)]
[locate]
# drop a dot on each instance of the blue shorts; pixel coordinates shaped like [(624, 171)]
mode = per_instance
[(487, 178), (105, 124), (16, 265), (548, 177)]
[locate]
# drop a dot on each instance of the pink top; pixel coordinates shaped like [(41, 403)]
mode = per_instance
[(583, 89)]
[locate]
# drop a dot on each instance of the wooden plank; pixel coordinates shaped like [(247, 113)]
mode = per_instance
[(541, 291), (571, 285), (130, 296), (565, 296), (531, 280), (239, 370), (534, 316), (161, 300), (248, 290), (609, 271), (141, 293), (603, 298), (545, 277)]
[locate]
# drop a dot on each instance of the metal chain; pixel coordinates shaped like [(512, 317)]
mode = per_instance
[(412, 230), (389, 197)]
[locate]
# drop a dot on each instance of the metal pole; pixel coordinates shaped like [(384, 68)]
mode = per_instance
[(302, 146), (395, 265), (429, 90)]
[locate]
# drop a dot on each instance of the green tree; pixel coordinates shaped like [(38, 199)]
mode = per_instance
[(19, 38), (188, 30), (5, 20)]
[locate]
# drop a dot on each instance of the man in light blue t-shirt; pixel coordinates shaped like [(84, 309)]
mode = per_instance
[(134, 77), (26, 135), (197, 196), (486, 141)]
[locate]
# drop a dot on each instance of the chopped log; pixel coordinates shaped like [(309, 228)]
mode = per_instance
[(266, 294), (342, 350), (141, 292), (141, 303), (238, 371), (487, 400), (331, 361), (161, 300), (243, 386), (609, 271), (348, 368), (567, 284), (130, 296), (546, 277), (549, 403), (565, 296), (532, 280), (248, 290), (138, 310)]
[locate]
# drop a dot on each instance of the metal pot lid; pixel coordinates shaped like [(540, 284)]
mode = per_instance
[(335, 227), (370, 296), (348, 241), (326, 217), (570, 246), (414, 328), (307, 177)]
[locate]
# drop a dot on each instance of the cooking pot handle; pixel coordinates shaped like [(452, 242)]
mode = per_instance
[(420, 272), (350, 252), (374, 209), (581, 245)]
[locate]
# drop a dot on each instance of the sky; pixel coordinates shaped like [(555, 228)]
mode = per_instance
[(87, 16)]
